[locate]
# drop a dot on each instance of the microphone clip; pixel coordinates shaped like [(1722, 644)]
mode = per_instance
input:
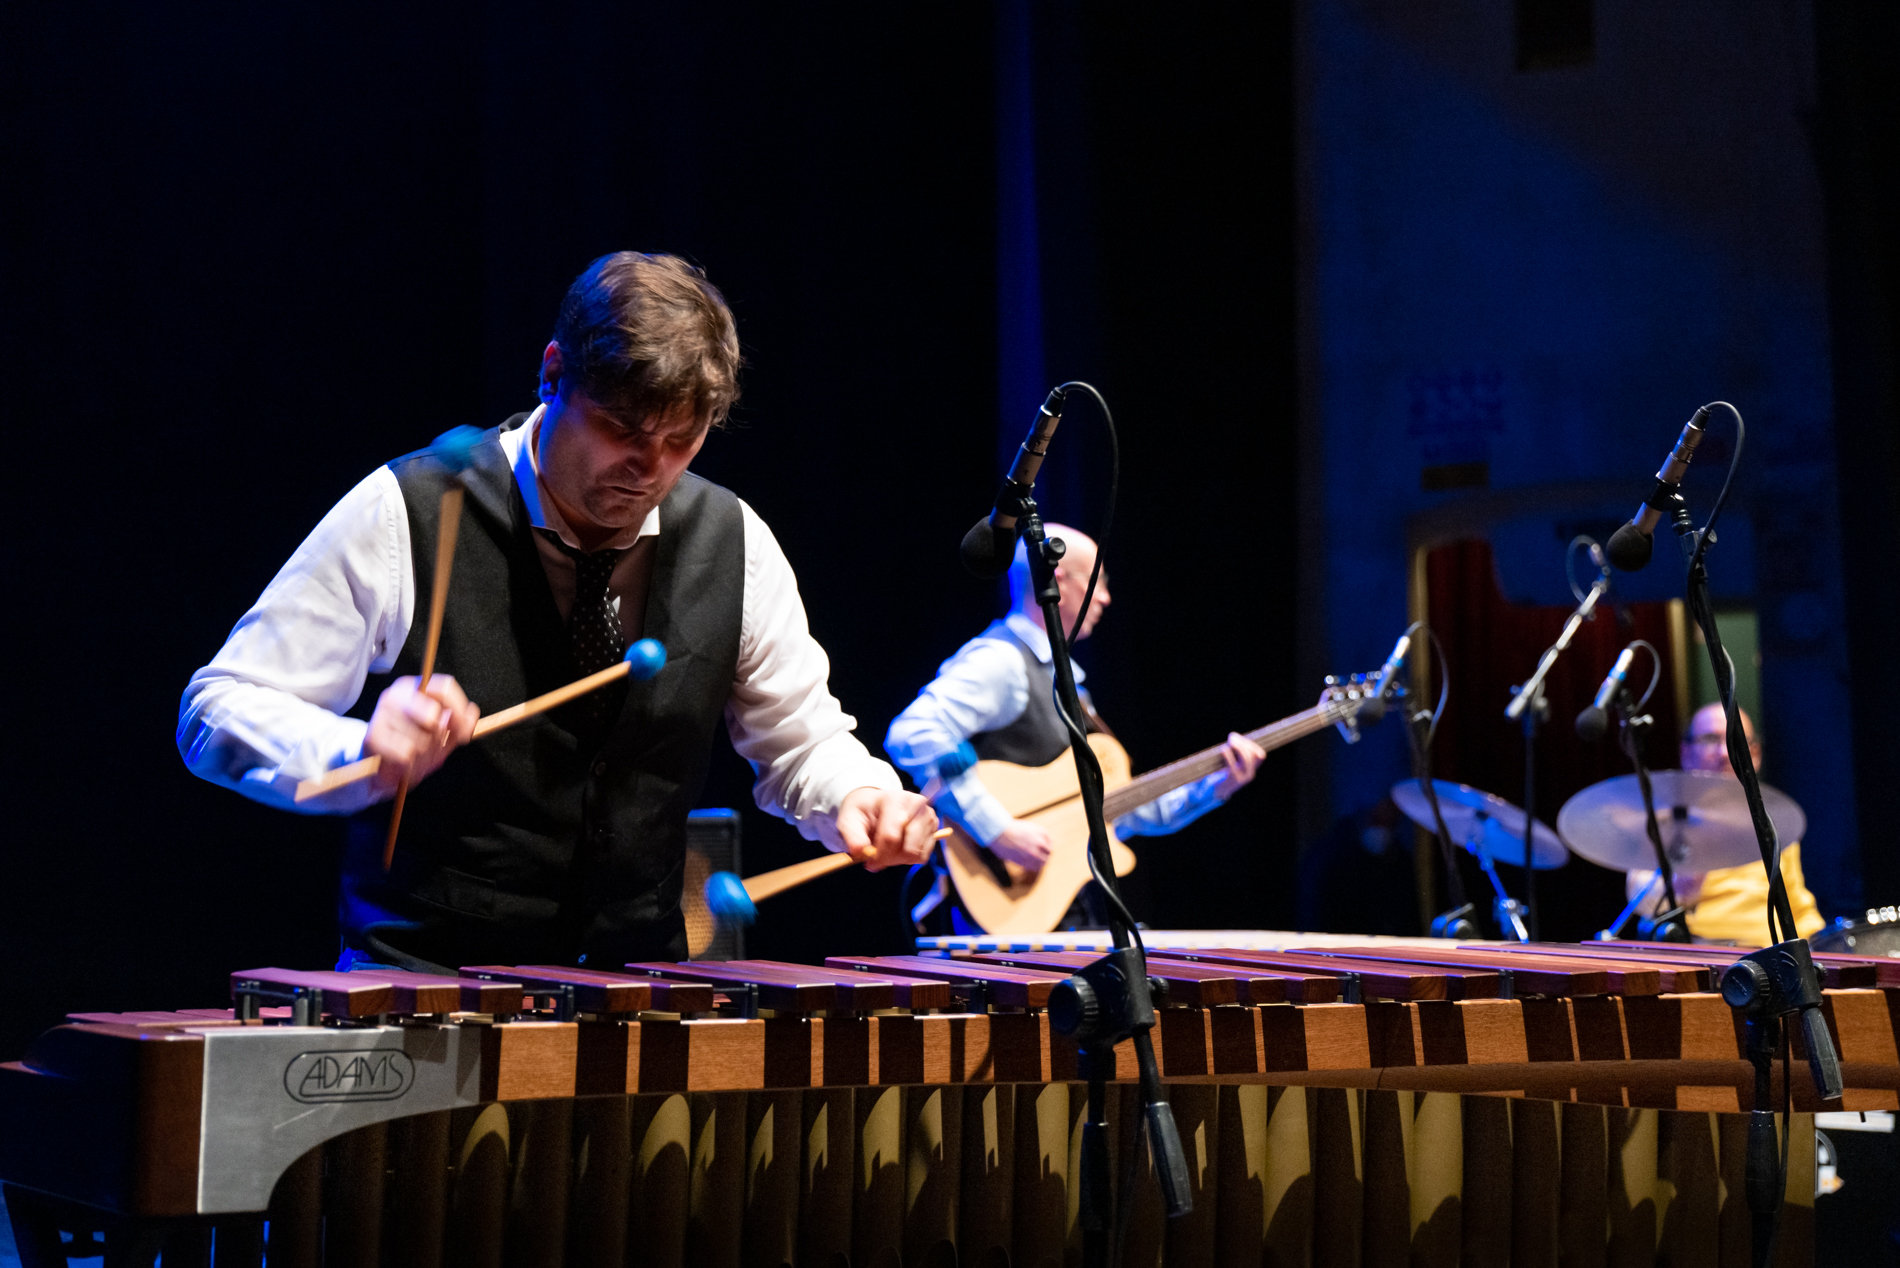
[(1012, 499)]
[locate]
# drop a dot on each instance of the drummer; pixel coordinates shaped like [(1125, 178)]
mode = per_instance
[(1729, 904)]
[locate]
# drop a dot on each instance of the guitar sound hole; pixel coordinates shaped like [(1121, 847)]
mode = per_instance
[(997, 870)]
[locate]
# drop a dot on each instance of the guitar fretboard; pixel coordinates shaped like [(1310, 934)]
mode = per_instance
[(1143, 789)]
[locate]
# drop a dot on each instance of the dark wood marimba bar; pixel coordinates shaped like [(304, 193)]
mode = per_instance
[(1394, 1102)]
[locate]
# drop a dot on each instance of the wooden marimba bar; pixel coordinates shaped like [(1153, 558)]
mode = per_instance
[(1379, 1104)]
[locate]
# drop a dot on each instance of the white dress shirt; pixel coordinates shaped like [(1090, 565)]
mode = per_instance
[(983, 688), (266, 713)]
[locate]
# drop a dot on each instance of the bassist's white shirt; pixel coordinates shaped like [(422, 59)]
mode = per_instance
[(983, 688)]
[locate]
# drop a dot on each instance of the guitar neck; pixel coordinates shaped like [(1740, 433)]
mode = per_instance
[(1165, 779)]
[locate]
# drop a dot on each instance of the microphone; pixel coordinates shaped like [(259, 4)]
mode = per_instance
[(990, 544), (1631, 544), (1374, 707), (1593, 721)]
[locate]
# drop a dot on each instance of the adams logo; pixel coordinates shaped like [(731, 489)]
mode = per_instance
[(376, 1074)]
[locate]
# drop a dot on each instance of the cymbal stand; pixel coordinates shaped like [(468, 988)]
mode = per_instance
[(1506, 910), (1113, 998)]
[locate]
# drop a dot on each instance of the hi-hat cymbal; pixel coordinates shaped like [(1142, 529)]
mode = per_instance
[(1482, 822), (1703, 816)]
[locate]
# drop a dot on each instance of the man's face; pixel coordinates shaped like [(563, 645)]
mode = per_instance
[(1705, 747), (605, 472), (1072, 580)]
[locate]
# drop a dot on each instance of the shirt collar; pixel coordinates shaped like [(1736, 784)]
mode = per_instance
[(519, 446), (1035, 638)]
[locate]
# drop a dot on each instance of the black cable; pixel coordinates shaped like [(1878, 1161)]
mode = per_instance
[(1114, 492), (1087, 762), (1735, 461), (1781, 923), (1626, 740), (1655, 671), (1422, 766), (1078, 734), (904, 904), (1444, 681), (1570, 554)]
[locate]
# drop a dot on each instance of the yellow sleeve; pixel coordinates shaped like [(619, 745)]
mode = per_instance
[(1807, 914), (1734, 904)]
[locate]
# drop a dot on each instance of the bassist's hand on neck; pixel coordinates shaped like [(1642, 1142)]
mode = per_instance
[(1242, 757)]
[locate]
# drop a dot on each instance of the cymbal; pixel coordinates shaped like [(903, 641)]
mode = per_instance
[(1703, 816), (1481, 822)]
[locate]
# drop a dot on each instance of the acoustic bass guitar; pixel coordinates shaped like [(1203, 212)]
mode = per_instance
[(1005, 898)]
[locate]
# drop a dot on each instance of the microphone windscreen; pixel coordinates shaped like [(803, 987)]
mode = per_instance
[(988, 550), (1591, 724), (1629, 548)]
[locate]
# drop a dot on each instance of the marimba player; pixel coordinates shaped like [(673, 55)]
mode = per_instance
[(561, 841)]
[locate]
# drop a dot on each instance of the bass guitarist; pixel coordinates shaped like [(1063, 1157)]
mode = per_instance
[(995, 700)]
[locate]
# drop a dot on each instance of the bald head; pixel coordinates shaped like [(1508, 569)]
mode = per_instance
[(1072, 579), (1705, 744)]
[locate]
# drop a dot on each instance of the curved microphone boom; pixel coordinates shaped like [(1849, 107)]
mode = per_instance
[(1630, 545), (1595, 720), (990, 544)]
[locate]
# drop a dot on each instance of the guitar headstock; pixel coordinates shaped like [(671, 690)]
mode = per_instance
[(1344, 700)]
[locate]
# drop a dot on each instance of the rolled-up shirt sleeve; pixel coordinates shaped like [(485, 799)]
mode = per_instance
[(982, 688), (266, 712), (782, 716)]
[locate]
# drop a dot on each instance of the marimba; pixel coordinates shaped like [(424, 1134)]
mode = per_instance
[(1393, 1102)]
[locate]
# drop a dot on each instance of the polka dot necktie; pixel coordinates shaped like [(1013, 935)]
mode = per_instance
[(593, 627)]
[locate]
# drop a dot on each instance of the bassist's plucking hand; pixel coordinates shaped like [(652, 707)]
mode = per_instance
[(1023, 843)]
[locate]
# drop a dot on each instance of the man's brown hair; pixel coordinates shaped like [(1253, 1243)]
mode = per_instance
[(645, 334)]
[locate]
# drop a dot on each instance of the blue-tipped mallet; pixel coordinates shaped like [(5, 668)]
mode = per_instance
[(734, 902), (727, 900)]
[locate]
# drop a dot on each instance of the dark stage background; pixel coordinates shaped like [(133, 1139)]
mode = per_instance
[(254, 251), (250, 252)]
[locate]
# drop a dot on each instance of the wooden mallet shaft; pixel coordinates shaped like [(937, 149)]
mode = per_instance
[(644, 659), (448, 526), (766, 884), (553, 699)]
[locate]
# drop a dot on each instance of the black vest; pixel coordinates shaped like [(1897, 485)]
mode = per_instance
[(1038, 736), (543, 843)]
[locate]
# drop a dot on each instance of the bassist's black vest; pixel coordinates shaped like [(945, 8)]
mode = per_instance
[(1038, 736), (545, 843)]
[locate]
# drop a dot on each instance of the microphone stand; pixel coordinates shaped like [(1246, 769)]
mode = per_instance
[(1455, 921), (1530, 707), (1671, 923), (1778, 981), (1113, 998), (1534, 714)]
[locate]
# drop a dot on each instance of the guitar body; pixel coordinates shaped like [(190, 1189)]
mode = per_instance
[(1035, 902), (1019, 901)]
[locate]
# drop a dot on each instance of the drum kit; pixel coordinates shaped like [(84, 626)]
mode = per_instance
[(1702, 816)]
